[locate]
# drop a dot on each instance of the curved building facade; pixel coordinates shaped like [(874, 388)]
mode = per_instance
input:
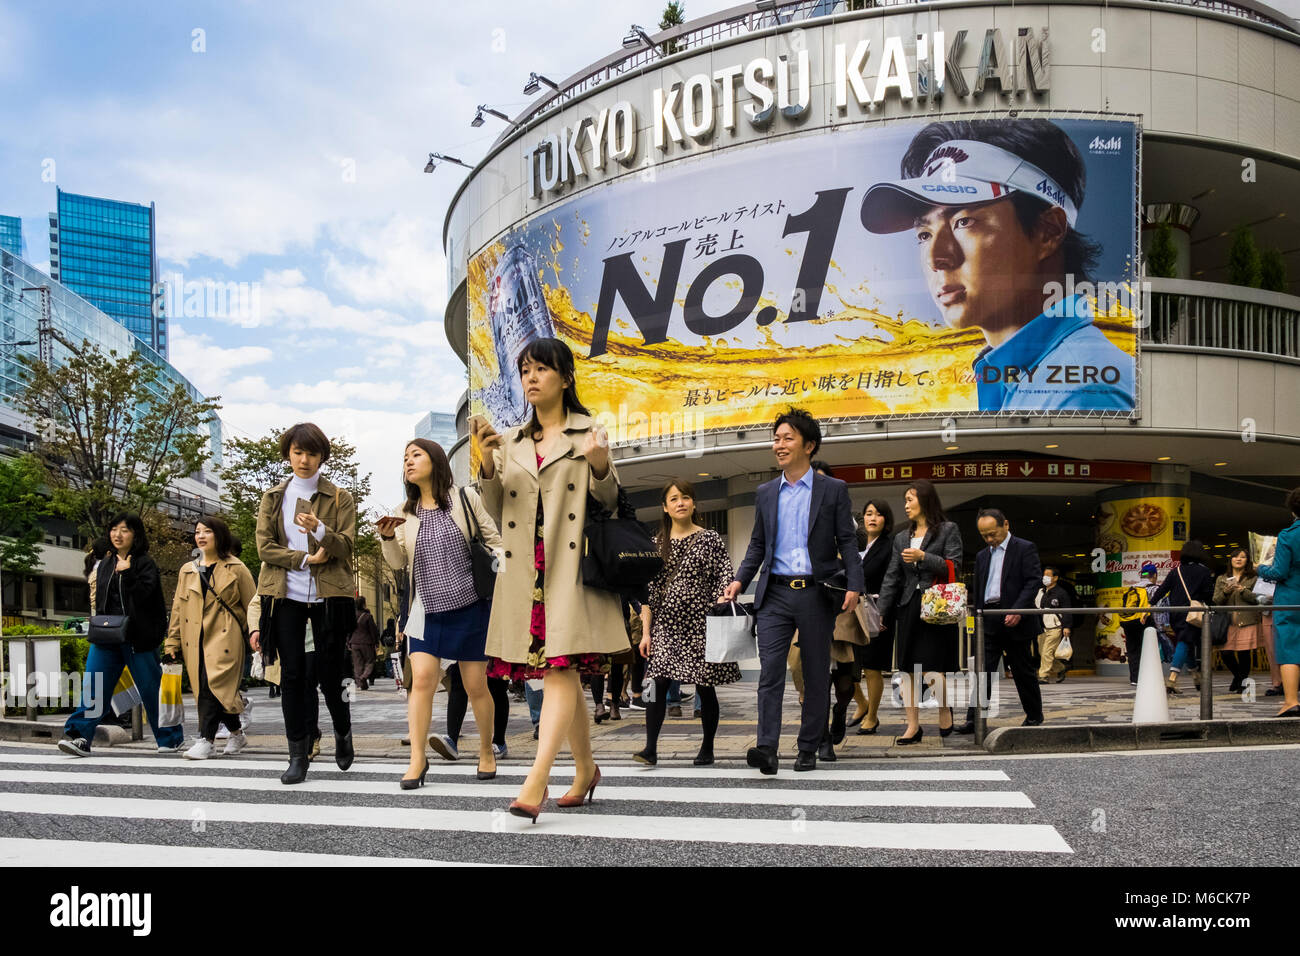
[(799, 205)]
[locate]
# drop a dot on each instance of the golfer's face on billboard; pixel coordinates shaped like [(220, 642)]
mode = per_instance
[(978, 263)]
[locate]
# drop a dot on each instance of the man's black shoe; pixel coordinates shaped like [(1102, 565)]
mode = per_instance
[(826, 751), (762, 758), (1032, 722), (966, 728), (807, 760)]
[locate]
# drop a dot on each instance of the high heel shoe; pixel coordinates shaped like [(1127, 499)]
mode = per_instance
[(904, 741), (588, 797), (410, 783), (485, 774), (945, 731), (528, 810)]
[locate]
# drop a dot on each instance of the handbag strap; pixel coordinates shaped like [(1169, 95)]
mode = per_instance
[(1184, 583), (471, 522), (208, 588)]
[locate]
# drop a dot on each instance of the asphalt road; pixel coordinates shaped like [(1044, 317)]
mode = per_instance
[(1198, 808)]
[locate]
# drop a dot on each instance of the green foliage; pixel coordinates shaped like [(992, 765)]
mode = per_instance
[(254, 465), (113, 434), (674, 16), (1272, 271), (1162, 254), (1243, 259), (23, 503)]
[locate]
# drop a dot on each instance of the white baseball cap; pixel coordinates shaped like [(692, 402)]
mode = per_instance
[(960, 172)]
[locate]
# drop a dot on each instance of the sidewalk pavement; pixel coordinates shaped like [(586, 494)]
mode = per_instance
[(379, 721)]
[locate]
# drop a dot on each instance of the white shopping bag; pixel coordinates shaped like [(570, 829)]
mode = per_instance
[(1064, 650), (729, 635)]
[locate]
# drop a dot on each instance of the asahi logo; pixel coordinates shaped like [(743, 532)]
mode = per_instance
[(1103, 146)]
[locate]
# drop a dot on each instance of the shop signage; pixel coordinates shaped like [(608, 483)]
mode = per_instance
[(995, 469)]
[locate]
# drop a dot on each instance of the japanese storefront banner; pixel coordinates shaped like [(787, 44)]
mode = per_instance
[(961, 267)]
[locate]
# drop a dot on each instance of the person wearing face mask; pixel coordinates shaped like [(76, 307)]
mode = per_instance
[(1054, 627), (305, 531), (208, 621)]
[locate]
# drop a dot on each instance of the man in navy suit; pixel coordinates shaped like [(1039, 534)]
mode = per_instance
[(1008, 574), (803, 536)]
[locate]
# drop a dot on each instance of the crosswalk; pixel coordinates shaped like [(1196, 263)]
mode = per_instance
[(141, 809)]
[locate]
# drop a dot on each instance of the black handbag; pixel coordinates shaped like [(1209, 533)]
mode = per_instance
[(110, 629), (618, 554), (1219, 623), (483, 563)]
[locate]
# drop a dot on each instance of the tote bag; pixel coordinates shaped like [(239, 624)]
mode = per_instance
[(944, 603)]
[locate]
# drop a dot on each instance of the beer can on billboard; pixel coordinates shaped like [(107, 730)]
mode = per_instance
[(517, 308)]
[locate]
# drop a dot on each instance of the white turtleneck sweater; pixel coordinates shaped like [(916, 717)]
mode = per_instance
[(301, 586)]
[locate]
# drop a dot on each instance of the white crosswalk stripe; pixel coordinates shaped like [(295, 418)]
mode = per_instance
[(861, 808)]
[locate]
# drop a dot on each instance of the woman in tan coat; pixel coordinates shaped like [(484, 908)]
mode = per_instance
[(208, 622), (429, 540), (545, 623)]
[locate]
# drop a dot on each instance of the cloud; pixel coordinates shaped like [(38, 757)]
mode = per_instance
[(208, 365)]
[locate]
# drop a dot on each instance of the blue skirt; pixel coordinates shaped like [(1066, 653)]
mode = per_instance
[(459, 635)]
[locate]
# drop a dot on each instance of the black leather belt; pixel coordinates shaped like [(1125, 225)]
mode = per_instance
[(798, 583)]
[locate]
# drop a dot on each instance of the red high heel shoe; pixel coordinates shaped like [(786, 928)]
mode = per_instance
[(528, 810), (588, 797)]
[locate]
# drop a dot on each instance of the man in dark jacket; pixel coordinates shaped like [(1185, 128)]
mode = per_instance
[(1007, 574), (362, 642)]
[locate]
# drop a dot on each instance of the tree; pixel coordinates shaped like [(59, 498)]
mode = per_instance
[(254, 464), (113, 433), (1272, 271), (23, 503), (1162, 254), (674, 16), (1243, 259)]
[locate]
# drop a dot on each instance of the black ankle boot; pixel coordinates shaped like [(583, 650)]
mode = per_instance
[(297, 771), (343, 752)]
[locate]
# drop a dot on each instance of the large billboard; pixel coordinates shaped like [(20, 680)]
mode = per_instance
[(956, 267)]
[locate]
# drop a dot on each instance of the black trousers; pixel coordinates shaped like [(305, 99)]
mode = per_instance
[(298, 698), (811, 612), (1133, 633), (458, 703), (1002, 642), (211, 713)]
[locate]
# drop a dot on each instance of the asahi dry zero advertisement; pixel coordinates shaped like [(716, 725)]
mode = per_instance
[(950, 267)]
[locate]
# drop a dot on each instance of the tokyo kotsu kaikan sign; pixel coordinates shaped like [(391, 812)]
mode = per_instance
[(758, 91), (959, 266)]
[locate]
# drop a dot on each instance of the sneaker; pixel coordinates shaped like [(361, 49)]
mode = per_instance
[(499, 750), (444, 747), (201, 750), (246, 718), (636, 703), (171, 748), (223, 732), (236, 743), (76, 746)]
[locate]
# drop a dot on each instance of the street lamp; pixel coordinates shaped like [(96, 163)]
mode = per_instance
[(477, 121), (435, 158), (637, 37), (536, 81)]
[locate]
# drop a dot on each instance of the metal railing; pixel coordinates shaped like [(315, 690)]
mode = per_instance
[(1207, 647), (1212, 316)]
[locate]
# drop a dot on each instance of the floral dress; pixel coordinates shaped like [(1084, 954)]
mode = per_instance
[(697, 571), (538, 663)]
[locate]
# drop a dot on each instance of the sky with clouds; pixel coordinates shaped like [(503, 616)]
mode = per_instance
[(288, 152)]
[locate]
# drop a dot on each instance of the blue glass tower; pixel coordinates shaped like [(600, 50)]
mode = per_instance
[(11, 235), (106, 252)]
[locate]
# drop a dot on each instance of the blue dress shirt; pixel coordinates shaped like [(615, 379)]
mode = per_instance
[(1057, 362), (793, 503), (993, 586)]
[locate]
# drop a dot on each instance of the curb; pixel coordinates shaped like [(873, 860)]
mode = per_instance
[(1181, 735)]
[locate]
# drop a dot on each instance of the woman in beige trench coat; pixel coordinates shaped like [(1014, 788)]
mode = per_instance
[(208, 621), (545, 623)]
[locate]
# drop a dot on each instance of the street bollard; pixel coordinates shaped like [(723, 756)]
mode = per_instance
[(1207, 669), (137, 722), (31, 679), (981, 723)]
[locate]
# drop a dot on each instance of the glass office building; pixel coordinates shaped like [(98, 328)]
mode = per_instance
[(105, 251), (11, 235), (438, 427)]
